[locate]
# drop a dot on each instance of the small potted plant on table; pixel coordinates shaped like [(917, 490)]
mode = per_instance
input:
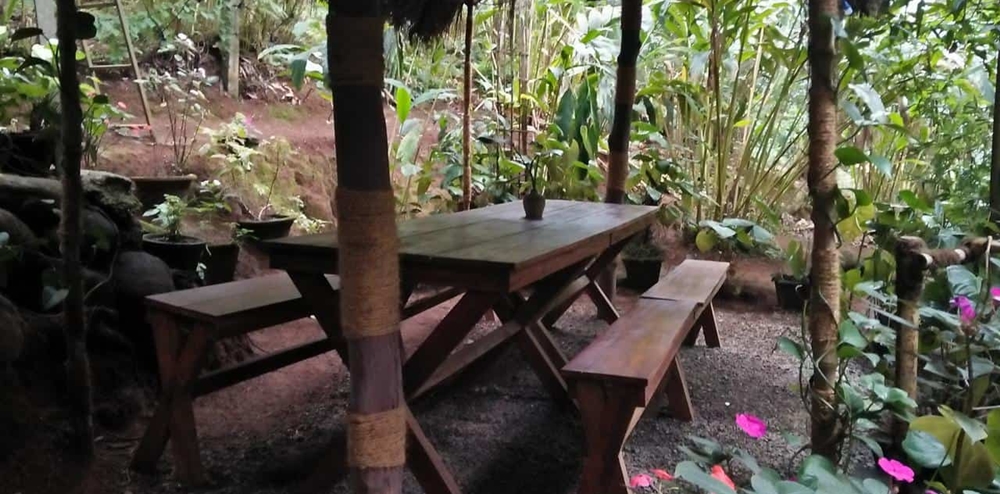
[(643, 261), (179, 251), (534, 201), (792, 285)]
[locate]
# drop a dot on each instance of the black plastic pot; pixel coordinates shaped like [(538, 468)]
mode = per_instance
[(792, 293), (642, 274), (150, 190), (534, 205), (220, 263), (182, 253), (270, 228), (27, 153)]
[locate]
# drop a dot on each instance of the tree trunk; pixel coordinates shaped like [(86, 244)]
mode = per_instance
[(621, 126), (369, 261), (466, 116), (824, 301), (995, 163), (233, 52), (77, 361)]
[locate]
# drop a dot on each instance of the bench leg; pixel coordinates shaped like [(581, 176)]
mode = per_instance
[(174, 417), (679, 402), (705, 324), (607, 421)]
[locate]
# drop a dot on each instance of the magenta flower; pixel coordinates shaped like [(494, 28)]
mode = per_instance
[(966, 312), (995, 295), (641, 480), (896, 470), (751, 425)]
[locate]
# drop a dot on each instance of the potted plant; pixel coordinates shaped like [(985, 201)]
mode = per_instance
[(253, 174), (643, 261), (179, 251), (182, 100), (792, 284), (220, 262), (534, 201)]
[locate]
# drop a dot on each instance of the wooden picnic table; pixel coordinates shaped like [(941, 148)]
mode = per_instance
[(492, 255)]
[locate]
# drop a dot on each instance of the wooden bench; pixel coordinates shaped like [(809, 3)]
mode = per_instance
[(186, 323), (620, 373)]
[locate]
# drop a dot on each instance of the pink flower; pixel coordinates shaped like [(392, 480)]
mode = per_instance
[(896, 469), (751, 425), (966, 312), (719, 474), (662, 474), (122, 105), (995, 295), (641, 480)]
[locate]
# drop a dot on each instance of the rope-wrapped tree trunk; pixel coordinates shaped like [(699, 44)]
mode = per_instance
[(913, 259), (77, 362), (618, 140), (369, 262), (824, 301)]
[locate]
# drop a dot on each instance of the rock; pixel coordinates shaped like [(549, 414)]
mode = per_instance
[(113, 193), (138, 275), (12, 327), (135, 276), (100, 238), (20, 234)]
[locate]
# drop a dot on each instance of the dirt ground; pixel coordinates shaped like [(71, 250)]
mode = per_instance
[(496, 428)]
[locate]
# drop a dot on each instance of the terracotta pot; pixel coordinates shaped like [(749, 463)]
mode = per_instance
[(272, 227), (534, 205), (642, 274), (150, 190), (220, 263), (181, 253)]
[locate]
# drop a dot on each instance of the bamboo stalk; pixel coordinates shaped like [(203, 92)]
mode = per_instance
[(466, 116)]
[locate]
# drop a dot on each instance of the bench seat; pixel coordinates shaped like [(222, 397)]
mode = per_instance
[(618, 376)]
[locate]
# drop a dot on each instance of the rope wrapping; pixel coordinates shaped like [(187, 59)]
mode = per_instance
[(377, 440)]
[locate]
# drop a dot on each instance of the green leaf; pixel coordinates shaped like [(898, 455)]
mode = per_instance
[(973, 428), (706, 240), (963, 282), (850, 335), (911, 199), (690, 472), (993, 440), (850, 155), (883, 165), (791, 347), (52, 297), (925, 450), (298, 71), (25, 33), (403, 103)]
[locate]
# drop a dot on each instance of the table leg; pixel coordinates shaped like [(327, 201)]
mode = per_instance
[(605, 309), (448, 334), (422, 459)]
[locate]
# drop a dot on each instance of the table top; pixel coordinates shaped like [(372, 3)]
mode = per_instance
[(492, 242)]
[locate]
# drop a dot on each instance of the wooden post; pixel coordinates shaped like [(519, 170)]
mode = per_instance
[(910, 265), (369, 261), (466, 116), (618, 140), (824, 300), (233, 58), (77, 361), (995, 162)]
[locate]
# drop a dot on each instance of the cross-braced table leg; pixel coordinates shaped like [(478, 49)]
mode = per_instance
[(422, 459), (605, 308), (179, 364)]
